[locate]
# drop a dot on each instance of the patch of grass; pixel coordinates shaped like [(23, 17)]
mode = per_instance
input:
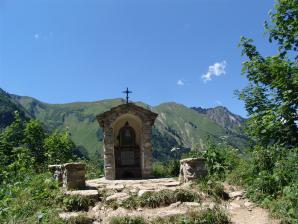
[(132, 202), (208, 216), (81, 219), (160, 198), (213, 188), (112, 204), (77, 203), (127, 220)]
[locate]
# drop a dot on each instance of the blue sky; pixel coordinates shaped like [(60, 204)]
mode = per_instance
[(163, 50)]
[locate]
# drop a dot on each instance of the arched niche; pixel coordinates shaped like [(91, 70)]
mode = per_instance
[(127, 135)]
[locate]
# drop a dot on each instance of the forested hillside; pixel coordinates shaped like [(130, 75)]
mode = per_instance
[(8, 107)]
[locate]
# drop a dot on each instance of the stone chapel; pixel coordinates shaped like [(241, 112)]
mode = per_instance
[(127, 147)]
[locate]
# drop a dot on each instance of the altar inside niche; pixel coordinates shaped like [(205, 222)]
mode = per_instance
[(127, 147)]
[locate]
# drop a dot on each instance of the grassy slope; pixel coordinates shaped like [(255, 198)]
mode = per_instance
[(176, 121)]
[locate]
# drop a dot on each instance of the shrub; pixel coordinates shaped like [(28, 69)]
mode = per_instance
[(169, 169), (159, 170), (213, 188), (287, 206), (185, 195)]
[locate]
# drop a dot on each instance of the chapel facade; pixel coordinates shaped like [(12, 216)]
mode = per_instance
[(127, 147)]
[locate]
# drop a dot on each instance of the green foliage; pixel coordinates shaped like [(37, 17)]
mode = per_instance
[(270, 177), (287, 206), (270, 173), (159, 170), (220, 158), (127, 220), (213, 188), (59, 148), (34, 136), (25, 147), (169, 169), (94, 168), (77, 203), (35, 199), (271, 96), (8, 108), (284, 25)]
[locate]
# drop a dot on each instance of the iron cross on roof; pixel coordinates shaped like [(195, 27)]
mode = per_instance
[(127, 92)]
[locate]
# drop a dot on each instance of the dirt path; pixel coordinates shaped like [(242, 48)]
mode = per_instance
[(242, 211)]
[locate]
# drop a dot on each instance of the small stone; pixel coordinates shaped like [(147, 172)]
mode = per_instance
[(169, 213), (92, 194), (118, 197), (176, 204), (140, 209), (191, 204), (233, 206), (97, 208), (236, 194), (117, 187), (248, 204), (69, 215)]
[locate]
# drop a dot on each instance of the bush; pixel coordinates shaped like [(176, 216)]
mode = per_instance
[(270, 177), (213, 188), (159, 170), (170, 169), (287, 206)]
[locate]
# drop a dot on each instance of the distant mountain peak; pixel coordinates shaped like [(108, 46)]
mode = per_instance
[(222, 116)]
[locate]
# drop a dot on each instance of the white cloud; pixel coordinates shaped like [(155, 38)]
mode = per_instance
[(217, 69), (43, 36), (180, 82), (36, 36)]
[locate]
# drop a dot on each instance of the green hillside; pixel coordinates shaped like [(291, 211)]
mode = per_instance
[(176, 124), (8, 106)]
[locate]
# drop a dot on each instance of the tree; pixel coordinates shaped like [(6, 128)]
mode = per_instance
[(271, 97), (34, 136), (59, 148), (11, 137)]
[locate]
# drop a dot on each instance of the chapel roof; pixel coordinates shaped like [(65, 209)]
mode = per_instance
[(125, 108)]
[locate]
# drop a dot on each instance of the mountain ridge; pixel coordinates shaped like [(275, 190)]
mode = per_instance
[(176, 126)]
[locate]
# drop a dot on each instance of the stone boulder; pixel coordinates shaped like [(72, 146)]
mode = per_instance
[(69, 175), (191, 169), (57, 172)]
